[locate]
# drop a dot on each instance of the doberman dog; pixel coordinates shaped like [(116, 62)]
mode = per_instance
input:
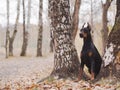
[(89, 54)]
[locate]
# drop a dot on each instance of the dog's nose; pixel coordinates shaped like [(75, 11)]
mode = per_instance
[(81, 35)]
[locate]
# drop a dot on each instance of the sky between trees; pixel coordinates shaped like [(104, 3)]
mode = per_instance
[(84, 11)]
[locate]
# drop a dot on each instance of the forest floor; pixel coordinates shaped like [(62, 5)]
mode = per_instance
[(23, 73), (20, 72)]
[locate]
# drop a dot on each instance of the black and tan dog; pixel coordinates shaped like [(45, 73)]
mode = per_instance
[(89, 54)]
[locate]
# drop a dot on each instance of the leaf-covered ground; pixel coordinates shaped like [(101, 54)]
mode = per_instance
[(67, 84), (20, 72), (24, 73)]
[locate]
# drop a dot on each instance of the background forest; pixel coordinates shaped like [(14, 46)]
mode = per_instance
[(85, 10)]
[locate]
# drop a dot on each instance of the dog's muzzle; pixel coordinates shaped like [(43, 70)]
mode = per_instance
[(81, 35)]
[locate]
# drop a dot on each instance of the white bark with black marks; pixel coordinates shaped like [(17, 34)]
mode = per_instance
[(66, 63), (111, 57)]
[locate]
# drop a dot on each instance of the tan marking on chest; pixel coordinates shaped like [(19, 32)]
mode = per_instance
[(90, 53)]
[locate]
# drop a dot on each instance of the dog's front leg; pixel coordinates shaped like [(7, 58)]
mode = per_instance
[(92, 70), (92, 76), (92, 62)]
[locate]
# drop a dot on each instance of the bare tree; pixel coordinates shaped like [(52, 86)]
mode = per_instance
[(28, 15), (39, 41), (105, 30), (7, 31), (66, 63), (75, 18), (25, 32), (91, 18), (51, 41), (11, 39), (112, 51), (91, 13)]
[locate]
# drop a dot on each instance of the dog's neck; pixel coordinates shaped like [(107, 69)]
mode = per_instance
[(87, 40)]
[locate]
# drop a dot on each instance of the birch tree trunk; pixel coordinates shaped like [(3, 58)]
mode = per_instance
[(112, 51), (105, 30), (39, 41), (75, 23), (66, 63), (25, 33), (11, 39), (7, 31)]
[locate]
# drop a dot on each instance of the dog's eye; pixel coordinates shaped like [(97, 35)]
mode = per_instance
[(81, 30)]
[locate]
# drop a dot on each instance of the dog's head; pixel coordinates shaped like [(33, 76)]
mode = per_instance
[(85, 31)]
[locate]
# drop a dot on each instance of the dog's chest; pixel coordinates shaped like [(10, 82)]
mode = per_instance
[(87, 52)]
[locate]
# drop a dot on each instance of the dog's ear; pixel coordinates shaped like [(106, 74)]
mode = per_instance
[(88, 26), (83, 25)]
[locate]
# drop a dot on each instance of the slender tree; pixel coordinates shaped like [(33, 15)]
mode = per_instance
[(66, 63), (11, 39), (112, 51), (91, 13), (105, 30), (39, 41), (25, 33), (75, 18), (92, 18), (7, 31), (28, 15), (51, 41), (28, 20)]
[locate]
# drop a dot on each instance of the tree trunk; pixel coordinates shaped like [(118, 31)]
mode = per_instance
[(105, 30), (51, 46), (25, 33), (75, 23), (39, 42), (75, 18), (28, 20), (25, 29), (51, 41), (7, 43), (11, 39), (91, 19), (7, 31), (10, 46), (112, 51), (66, 63), (28, 15)]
